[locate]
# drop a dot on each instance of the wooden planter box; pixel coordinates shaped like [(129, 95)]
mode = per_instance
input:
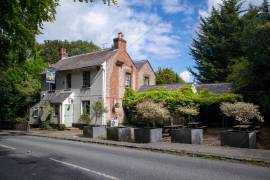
[(21, 126), (119, 134), (187, 136), (238, 139), (98, 132), (143, 135)]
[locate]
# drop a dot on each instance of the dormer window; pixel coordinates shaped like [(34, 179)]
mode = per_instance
[(86, 78), (128, 80)]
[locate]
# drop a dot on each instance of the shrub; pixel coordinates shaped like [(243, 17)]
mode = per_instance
[(21, 120), (62, 127), (46, 125), (98, 109), (187, 113), (85, 118), (241, 112), (153, 112)]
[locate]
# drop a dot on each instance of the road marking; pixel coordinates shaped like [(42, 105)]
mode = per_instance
[(85, 169), (5, 146)]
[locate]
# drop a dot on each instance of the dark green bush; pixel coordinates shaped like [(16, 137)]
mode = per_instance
[(46, 125)]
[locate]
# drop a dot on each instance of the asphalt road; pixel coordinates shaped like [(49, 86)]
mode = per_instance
[(25, 158)]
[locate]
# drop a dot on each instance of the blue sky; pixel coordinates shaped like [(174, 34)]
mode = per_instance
[(158, 30)]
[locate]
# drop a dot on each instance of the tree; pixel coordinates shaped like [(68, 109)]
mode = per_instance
[(167, 76), (98, 110), (20, 22), (49, 50), (153, 112), (241, 111), (217, 43)]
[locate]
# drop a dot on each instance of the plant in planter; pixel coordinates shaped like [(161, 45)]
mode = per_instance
[(21, 124), (150, 112), (62, 127), (94, 131), (187, 135), (243, 113)]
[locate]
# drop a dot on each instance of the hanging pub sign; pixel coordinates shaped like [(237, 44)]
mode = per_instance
[(50, 76)]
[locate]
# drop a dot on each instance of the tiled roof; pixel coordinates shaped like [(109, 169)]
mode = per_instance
[(56, 97), (218, 88), (215, 87), (171, 87), (84, 60), (140, 63)]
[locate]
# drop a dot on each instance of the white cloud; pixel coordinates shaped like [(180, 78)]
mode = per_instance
[(146, 33), (175, 6), (187, 76)]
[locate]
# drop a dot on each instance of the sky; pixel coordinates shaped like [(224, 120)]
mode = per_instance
[(158, 30)]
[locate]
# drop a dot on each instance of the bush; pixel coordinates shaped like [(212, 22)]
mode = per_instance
[(98, 109), (62, 127), (172, 100), (85, 118), (46, 125), (241, 112), (21, 120), (187, 113), (153, 112)]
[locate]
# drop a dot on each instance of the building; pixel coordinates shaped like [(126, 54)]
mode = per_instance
[(84, 79)]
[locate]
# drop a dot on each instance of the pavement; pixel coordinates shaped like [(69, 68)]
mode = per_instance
[(28, 157), (215, 152)]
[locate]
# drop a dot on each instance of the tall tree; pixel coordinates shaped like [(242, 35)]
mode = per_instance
[(49, 50), (217, 43), (167, 76)]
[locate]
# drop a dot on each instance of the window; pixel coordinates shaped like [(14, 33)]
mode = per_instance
[(146, 81), (128, 80), (56, 109), (68, 81), (86, 79), (85, 107), (35, 112)]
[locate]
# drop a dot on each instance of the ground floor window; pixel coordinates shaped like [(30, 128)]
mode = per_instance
[(85, 107), (35, 112), (146, 81), (56, 109)]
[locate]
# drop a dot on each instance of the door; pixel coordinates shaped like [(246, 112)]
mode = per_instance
[(68, 115)]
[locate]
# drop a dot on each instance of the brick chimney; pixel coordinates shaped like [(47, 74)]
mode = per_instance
[(62, 52), (119, 42)]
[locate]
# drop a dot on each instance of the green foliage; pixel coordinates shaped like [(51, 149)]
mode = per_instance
[(109, 2), (20, 22), (19, 88), (21, 120), (172, 100), (187, 113), (85, 118), (98, 109), (49, 50), (217, 43), (167, 76), (46, 125), (62, 127), (151, 111)]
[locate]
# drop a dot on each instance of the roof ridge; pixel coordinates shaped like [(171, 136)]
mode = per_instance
[(98, 51)]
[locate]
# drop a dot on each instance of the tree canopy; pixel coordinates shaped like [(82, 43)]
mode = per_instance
[(167, 76), (49, 50)]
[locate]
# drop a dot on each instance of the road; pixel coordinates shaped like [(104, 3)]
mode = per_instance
[(25, 157)]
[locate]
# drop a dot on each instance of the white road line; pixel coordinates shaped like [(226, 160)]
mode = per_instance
[(5, 146), (85, 169)]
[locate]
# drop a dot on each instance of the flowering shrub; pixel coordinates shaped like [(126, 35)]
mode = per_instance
[(153, 112), (241, 111), (188, 113)]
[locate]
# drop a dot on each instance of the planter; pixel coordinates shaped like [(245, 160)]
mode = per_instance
[(187, 136), (147, 135), (21, 126), (98, 132), (119, 133), (238, 139)]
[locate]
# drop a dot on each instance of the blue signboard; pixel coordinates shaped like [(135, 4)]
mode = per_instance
[(50, 76)]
